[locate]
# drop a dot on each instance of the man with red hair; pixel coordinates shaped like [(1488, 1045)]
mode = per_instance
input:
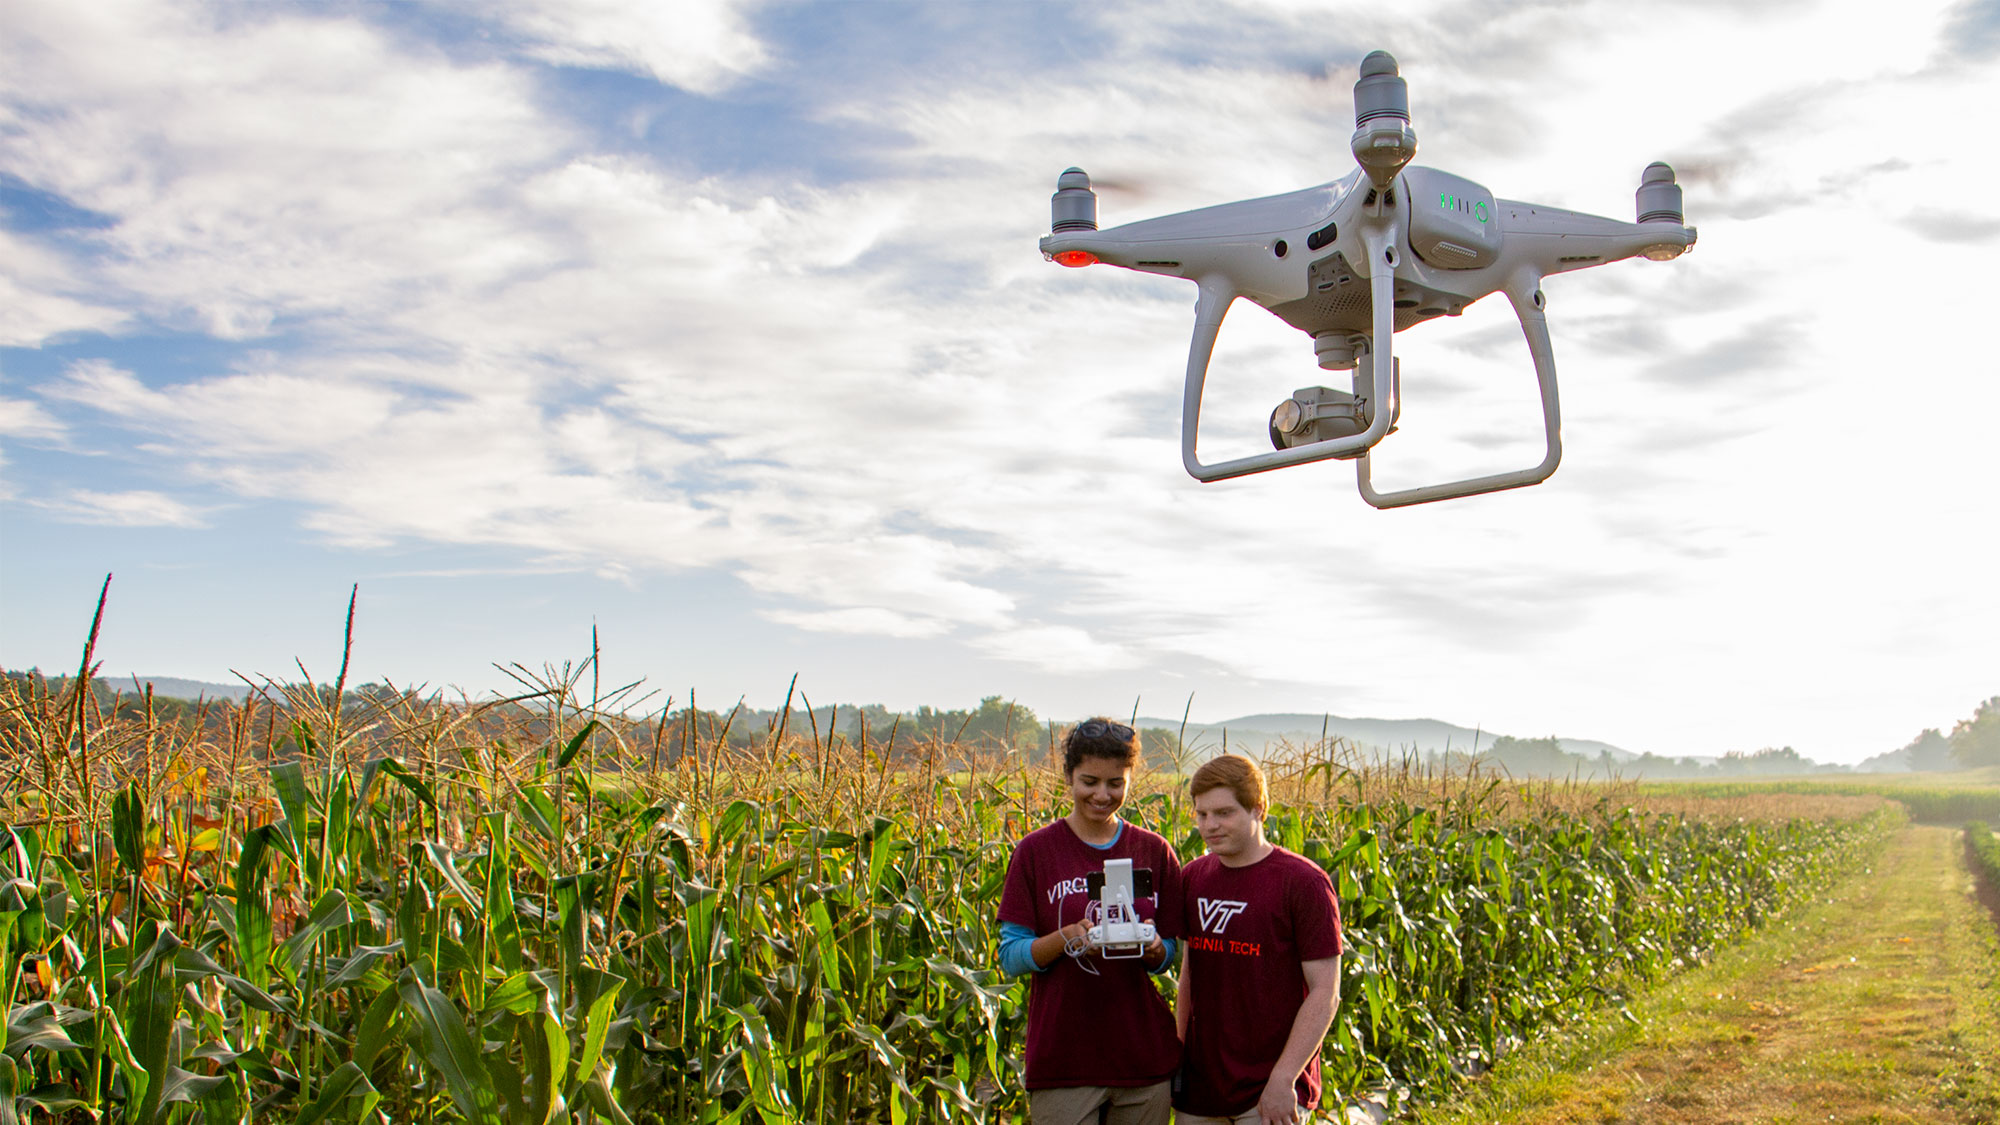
[(1261, 980)]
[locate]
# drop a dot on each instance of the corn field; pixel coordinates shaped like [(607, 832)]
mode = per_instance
[(540, 911), (1983, 851), (1927, 801)]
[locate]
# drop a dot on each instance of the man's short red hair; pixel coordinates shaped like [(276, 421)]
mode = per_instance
[(1235, 773)]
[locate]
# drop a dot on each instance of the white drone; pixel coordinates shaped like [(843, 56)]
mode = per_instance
[(1354, 261)]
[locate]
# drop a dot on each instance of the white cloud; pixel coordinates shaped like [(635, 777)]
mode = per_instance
[(138, 508), (40, 296), (1058, 646), (699, 45), (20, 418), (873, 620)]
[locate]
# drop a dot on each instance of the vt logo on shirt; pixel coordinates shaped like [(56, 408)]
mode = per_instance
[(1216, 913)]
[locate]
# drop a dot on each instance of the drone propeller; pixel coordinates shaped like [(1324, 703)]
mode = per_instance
[(1129, 187)]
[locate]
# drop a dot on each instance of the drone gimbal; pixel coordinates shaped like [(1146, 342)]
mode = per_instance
[(1355, 261)]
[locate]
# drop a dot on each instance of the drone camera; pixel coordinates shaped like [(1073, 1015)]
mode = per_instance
[(1319, 414)]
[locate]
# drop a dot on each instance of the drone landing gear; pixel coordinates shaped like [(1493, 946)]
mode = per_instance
[(1528, 306), (1320, 424), (1213, 305)]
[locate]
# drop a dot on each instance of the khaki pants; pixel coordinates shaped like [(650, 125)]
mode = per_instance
[(1249, 1118), (1101, 1105)]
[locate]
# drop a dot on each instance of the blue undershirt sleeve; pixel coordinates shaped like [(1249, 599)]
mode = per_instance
[(1016, 953), (1173, 955)]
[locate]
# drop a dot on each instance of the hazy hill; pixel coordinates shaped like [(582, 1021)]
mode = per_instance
[(1376, 736), (177, 688), (1256, 732)]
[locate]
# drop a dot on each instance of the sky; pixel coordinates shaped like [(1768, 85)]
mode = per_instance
[(720, 327)]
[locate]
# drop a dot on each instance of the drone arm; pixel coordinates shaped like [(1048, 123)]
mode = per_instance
[(1526, 295), (1216, 296)]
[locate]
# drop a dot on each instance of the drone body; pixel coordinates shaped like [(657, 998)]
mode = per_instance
[(1352, 262)]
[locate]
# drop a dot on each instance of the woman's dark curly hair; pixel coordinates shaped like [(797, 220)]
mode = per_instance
[(1100, 738)]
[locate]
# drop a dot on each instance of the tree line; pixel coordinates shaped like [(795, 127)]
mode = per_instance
[(1003, 726), (1973, 742)]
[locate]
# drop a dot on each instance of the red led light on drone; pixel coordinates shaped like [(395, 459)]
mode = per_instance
[(1076, 258)]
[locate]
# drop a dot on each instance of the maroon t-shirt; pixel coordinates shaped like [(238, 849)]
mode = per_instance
[(1108, 1029), (1248, 930)]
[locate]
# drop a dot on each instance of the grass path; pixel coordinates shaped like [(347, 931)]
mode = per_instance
[(1880, 1003)]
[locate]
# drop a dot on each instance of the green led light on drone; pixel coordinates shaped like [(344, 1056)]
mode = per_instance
[(1450, 202)]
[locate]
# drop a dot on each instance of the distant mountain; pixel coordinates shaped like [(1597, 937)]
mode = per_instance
[(174, 687), (1378, 737)]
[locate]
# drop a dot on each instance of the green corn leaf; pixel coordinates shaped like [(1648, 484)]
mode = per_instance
[(128, 828), (53, 1101), (376, 1025), (152, 1001), (17, 896), (599, 1098), (452, 958), (700, 906), (253, 907), (827, 945), (878, 853), (401, 773), (35, 1025), (347, 1081), (10, 1091), (331, 912), (982, 999), (440, 858), (597, 1025), (517, 994), (187, 1086), (288, 779), (449, 1049), (191, 964), (365, 958), (884, 1051), (734, 818), (414, 913), (24, 850), (338, 826), (570, 896), (539, 810), (575, 744), (546, 1046), (502, 921)]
